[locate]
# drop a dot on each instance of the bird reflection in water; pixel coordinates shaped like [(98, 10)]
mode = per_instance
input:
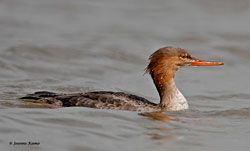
[(160, 133)]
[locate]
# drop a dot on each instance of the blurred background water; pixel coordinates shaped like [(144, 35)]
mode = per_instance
[(76, 46)]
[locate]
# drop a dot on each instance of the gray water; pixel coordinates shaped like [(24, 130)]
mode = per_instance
[(77, 46)]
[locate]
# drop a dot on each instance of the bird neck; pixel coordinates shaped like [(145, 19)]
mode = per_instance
[(170, 97)]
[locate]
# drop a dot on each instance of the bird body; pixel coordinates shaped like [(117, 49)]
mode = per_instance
[(162, 67)]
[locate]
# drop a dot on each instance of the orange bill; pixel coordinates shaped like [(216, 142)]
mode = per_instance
[(206, 63)]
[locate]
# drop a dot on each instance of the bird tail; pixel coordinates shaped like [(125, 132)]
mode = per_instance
[(39, 95)]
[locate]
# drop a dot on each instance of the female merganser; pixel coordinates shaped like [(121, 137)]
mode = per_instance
[(162, 67)]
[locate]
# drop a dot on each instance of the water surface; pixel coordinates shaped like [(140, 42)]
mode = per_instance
[(77, 46)]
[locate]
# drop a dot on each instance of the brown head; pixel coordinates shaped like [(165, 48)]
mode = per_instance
[(166, 61)]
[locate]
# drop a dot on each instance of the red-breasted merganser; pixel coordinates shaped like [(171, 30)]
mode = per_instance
[(162, 67)]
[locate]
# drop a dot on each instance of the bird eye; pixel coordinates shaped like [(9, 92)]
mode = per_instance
[(185, 56), (188, 56)]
